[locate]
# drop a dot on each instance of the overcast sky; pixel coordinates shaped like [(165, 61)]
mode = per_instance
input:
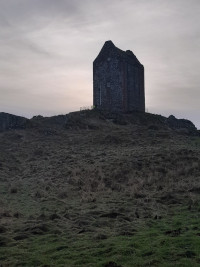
[(47, 48)]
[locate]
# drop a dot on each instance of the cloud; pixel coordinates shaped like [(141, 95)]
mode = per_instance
[(47, 48)]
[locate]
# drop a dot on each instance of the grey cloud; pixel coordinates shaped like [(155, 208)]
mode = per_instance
[(48, 44)]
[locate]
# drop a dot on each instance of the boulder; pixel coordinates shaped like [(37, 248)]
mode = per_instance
[(9, 121), (175, 123)]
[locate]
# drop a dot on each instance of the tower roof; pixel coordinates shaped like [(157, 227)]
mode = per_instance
[(125, 55)]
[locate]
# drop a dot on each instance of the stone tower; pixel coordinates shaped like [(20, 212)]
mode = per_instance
[(118, 80)]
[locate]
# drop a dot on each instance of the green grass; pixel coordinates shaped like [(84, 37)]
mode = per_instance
[(173, 241), (86, 197)]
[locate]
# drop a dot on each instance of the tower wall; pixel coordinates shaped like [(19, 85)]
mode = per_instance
[(118, 80)]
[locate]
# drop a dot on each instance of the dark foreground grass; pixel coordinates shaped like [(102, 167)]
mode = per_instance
[(99, 194), (171, 241)]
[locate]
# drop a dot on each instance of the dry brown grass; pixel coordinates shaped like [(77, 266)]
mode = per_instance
[(97, 177)]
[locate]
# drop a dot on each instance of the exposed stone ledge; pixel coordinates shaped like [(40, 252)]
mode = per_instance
[(173, 122), (9, 121)]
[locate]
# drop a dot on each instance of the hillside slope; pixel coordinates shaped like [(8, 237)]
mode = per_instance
[(97, 189)]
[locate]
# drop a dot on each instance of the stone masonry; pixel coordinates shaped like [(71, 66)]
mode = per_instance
[(118, 80)]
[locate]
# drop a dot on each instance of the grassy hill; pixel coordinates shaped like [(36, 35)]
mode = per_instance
[(97, 189)]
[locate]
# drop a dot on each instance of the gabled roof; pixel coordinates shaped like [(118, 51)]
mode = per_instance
[(125, 55)]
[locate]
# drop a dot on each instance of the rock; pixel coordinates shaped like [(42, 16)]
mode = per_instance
[(173, 122), (9, 121)]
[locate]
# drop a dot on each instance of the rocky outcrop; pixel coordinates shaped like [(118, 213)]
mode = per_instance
[(9, 121), (175, 123), (92, 119)]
